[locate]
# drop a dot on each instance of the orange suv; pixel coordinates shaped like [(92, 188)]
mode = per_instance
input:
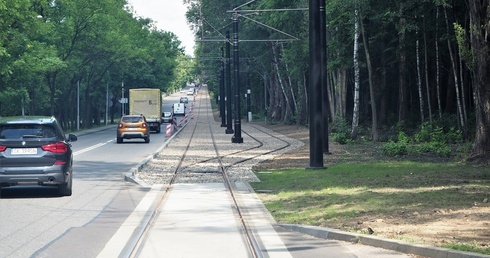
[(133, 126)]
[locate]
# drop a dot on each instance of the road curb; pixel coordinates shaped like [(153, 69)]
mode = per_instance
[(389, 244)]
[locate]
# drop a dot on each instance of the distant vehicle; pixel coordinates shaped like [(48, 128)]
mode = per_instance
[(35, 151), (147, 102), (182, 91), (190, 91), (178, 109), (133, 126), (184, 100), (167, 117)]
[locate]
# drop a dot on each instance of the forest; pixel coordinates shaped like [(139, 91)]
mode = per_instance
[(391, 66), (70, 58)]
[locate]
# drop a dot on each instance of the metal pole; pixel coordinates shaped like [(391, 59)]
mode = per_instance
[(249, 111), (323, 63), (78, 105), (237, 138), (107, 104), (229, 129), (122, 98), (315, 96), (265, 98), (222, 90)]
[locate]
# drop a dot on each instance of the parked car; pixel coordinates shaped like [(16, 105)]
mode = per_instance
[(184, 100), (167, 117), (35, 151), (133, 126)]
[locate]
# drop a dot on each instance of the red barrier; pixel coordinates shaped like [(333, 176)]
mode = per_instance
[(169, 130)]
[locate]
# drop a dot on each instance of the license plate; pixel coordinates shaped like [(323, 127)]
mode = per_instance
[(23, 151)]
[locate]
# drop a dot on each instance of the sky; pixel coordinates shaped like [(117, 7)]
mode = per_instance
[(169, 15)]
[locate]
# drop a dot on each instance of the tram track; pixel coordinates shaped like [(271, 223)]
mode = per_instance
[(198, 160)]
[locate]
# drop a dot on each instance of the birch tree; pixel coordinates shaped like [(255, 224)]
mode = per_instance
[(419, 79), (355, 113), (455, 74)]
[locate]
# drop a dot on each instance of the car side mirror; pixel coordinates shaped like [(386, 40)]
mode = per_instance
[(72, 138)]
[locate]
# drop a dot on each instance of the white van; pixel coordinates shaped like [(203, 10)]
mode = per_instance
[(179, 109)]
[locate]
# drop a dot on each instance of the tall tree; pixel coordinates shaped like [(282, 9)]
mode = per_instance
[(480, 48), (355, 113)]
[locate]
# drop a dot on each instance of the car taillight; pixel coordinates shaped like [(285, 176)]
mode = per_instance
[(2, 148), (120, 126), (58, 147), (144, 125)]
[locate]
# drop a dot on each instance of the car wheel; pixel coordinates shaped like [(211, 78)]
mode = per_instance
[(119, 139), (158, 129), (65, 189), (147, 139)]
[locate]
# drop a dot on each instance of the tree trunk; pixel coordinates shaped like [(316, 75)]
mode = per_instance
[(419, 79), (281, 84), (427, 86), (342, 90), (480, 45), (402, 90), (331, 95), (463, 98), (438, 84), (374, 129), (355, 113), (455, 74), (290, 84)]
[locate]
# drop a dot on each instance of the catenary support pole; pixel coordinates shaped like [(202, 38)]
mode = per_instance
[(323, 54), (237, 137), (229, 129), (315, 103), (222, 90)]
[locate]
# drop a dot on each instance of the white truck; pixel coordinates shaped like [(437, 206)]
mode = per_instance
[(147, 102), (179, 109)]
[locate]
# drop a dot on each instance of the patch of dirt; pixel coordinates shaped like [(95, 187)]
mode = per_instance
[(433, 227)]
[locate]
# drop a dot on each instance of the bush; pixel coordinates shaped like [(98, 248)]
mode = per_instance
[(454, 136), (424, 134), (340, 138), (439, 148), (431, 141), (340, 131), (392, 148)]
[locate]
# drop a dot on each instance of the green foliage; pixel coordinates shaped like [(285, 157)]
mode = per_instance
[(12, 101), (427, 139), (392, 148), (340, 132), (49, 48)]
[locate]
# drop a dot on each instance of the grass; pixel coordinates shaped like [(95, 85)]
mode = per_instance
[(342, 193)]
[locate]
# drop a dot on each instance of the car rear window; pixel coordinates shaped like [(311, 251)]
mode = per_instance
[(132, 119), (22, 131)]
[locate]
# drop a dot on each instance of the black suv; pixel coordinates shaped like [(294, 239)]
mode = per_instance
[(35, 151)]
